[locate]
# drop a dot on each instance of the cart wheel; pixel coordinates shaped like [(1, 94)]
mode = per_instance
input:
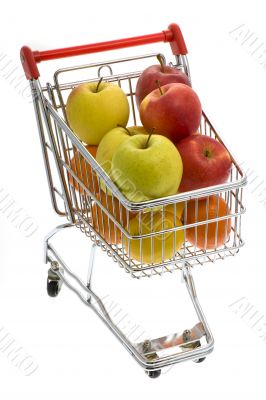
[(199, 360), (154, 374), (52, 288)]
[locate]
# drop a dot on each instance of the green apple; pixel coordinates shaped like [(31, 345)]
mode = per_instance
[(145, 169), (135, 130), (111, 141), (95, 108), (109, 144)]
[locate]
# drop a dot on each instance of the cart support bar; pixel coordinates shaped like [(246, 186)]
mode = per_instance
[(29, 58)]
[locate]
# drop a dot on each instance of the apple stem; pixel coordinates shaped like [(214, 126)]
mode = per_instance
[(124, 127), (161, 61), (98, 84), (159, 86), (151, 132)]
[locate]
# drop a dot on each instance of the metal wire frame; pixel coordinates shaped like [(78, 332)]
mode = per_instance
[(105, 215), (151, 354)]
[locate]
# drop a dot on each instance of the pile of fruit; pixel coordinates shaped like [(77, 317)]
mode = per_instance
[(165, 156)]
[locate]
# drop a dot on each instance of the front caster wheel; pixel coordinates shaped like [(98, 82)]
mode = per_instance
[(199, 360), (54, 282), (52, 288), (154, 374)]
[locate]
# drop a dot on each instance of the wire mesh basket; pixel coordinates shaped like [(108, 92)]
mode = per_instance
[(105, 215)]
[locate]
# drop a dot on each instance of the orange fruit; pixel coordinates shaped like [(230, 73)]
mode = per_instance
[(209, 235), (101, 221), (83, 171)]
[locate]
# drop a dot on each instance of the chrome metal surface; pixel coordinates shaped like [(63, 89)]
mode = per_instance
[(91, 263), (50, 235), (45, 147)]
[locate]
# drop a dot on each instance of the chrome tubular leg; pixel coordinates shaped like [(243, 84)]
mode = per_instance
[(50, 235), (91, 263), (193, 295)]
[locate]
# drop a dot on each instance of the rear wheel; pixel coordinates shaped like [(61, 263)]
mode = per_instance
[(52, 288), (200, 360), (154, 374), (54, 282)]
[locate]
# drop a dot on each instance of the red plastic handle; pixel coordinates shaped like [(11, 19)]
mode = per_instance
[(29, 58)]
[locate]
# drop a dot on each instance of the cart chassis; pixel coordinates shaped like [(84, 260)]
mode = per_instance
[(147, 352)]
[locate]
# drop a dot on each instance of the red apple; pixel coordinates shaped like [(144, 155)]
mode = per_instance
[(160, 72), (172, 110), (206, 162)]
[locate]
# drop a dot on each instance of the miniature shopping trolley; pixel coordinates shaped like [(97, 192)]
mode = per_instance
[(74, 191)]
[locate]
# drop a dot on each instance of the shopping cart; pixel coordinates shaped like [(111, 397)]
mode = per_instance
[(75, 179)]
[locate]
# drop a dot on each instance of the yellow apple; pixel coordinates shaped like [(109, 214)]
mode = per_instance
[(155, 249), (95, 108), (176, 209), (147, 167)]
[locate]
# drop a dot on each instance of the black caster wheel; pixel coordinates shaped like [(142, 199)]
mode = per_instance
[(154, 374), (200, 360), (54, 282), (53, 288)]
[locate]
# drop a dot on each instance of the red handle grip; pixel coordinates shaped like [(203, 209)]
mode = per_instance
[(29, 58)]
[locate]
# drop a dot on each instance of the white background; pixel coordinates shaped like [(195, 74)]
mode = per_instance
[(76, 355)]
